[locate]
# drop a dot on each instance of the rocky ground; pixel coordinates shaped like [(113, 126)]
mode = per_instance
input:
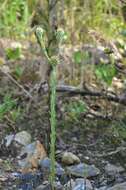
[(90, 155), (78, 165)]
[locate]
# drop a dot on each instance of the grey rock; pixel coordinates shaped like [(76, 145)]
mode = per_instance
[(28, 149), (70, 185), (78, 184), (121, 186), (83, 170), (70, 158), (30, 152), (57, 186), (23, 138), (111, 169), (8, 139), (103, 188), (44, 187), (45, 164), (97, 54)]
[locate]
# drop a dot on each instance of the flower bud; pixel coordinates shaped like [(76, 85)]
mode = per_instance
[(40, 32)]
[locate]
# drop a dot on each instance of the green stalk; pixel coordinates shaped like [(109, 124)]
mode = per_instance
[(53, 61), (53, 124)]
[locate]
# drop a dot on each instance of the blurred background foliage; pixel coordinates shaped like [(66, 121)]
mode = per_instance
[(86, 22), (77, 17)]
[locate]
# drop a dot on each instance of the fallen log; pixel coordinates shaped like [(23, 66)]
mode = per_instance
[(121, 99)]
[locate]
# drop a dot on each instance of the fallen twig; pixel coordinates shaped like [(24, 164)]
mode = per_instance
[(19, 85), (92, 114), (72, 90), (104, 95), (119, 149)]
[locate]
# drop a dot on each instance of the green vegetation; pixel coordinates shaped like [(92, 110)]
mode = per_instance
[(13, 54), (13, 18), (75, 109), (100, 23), (104, 16), (105, 73), (76, 77), (52, 61), (9, 108)]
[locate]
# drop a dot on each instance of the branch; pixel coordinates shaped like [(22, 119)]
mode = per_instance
[(19, 85), (104, 95), (117, 151), (73, 91), (96, 115)]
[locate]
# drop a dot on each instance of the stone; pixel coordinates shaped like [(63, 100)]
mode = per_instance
[(57, 186), (103, 188), (69, 158), (111, 169), (83, 170), (30, 155), (78, 184), (45, 164), (23, 138), (69, 185), (8, 139), (44, 187), (120, 186), (3, 176), (97, 54), (12, 144), (26, 181)]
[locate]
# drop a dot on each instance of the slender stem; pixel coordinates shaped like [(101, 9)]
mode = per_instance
[(52, 100), (52, 123)]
